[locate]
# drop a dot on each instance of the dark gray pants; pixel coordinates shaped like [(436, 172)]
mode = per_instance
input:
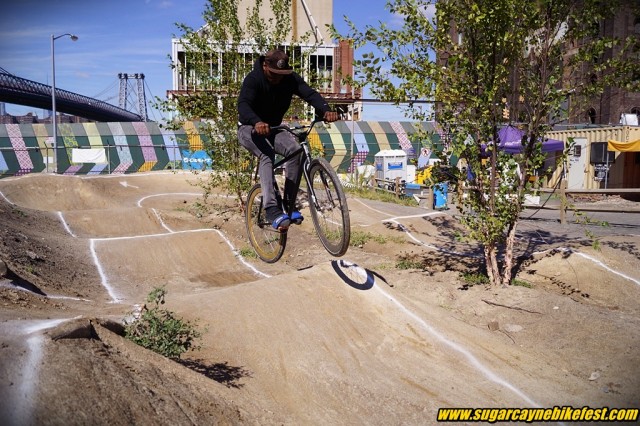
[(265, 148)]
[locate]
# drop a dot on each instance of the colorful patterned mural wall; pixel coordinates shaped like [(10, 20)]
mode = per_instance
[(105, 148), (367, 138)]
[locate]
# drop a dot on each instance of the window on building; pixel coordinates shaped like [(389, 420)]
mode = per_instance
[(600, 153), (321, 67)]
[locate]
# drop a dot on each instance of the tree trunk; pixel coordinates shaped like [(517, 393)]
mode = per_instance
[(508, 255), (491, 261)]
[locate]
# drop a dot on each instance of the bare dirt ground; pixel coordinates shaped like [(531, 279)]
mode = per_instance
[(310, 339)]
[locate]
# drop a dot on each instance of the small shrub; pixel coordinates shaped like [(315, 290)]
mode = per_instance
[(521, 283), (161, 330), (475, 278), (358, 238), (408, 264), (248, 252)]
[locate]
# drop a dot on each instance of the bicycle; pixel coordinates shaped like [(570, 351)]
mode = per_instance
[(327, 203)]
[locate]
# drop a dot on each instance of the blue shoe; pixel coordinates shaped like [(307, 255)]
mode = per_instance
[(281, 223), (296, 217)]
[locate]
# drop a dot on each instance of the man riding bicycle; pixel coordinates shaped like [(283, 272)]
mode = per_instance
[(264, 99)]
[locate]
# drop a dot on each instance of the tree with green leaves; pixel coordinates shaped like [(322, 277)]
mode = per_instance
[(477, 60), (218, 56)]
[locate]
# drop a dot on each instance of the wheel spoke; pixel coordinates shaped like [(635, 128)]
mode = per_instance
[(329, 208), (268, 243)]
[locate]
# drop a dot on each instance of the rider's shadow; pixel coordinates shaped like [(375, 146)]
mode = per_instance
[(354, 275)]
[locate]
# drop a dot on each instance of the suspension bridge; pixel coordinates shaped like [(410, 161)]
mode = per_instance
[(20, 91)]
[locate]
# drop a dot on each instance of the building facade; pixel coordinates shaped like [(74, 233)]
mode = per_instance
[(323, 66), (615, 105)]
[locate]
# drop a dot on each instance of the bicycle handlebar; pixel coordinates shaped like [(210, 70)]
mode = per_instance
[(291, 129)]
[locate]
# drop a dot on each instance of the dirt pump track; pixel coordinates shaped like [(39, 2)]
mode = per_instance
[(308, 340)]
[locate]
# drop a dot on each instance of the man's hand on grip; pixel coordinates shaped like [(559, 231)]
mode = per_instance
[(261, 128), (330, 116)]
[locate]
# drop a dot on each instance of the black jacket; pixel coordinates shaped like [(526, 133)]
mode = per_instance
[(260, 101)]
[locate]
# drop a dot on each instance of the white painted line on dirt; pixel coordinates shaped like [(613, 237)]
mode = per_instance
[(394, 219), (127, 185), (96, 260), (371, 208), (6, 199), (233, 249), (164, 234), (48, 296), (593, 259), (422, 243), (602, 265), (241, 258), (460, 349), (66, 225), (103, 278), (79, 299), (121, 175), (194, 194), (164, 225), (432, 247), (40, 325), (473, 361), (22, 400)]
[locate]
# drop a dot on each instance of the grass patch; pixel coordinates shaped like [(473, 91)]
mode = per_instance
[(408, 264), (521, 283), (248, 253), (379, 195), (474, 278), (359, 238), (384, 266)]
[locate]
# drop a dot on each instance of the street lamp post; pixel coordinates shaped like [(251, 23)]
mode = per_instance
[(53, 96)]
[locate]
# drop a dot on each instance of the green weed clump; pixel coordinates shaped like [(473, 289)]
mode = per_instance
[(475, 278), (359, 238), (379, 195), (161, 330), (409, 264)]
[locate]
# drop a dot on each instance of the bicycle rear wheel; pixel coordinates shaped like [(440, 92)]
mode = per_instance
[(268, 243), (328, 206)]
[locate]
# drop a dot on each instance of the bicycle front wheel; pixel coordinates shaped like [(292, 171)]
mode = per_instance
[(268, 243), (328, 206)]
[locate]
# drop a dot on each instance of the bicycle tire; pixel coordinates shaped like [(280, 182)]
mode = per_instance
[(268, 243), (328, 206)]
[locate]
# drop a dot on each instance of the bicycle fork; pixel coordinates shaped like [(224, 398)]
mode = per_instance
[(306, 170)]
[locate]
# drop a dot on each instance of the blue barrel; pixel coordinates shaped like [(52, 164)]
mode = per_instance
[(440, 195)]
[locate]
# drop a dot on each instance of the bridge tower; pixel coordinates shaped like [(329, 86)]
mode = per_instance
[(140, 94)]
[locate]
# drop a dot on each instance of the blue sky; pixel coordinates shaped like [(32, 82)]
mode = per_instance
[(121, 36)]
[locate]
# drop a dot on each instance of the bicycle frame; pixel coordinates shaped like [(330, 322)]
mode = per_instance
[(304, 152), (327, 203)]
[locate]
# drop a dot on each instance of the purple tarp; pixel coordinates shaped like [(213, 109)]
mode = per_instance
[(511, 141)]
